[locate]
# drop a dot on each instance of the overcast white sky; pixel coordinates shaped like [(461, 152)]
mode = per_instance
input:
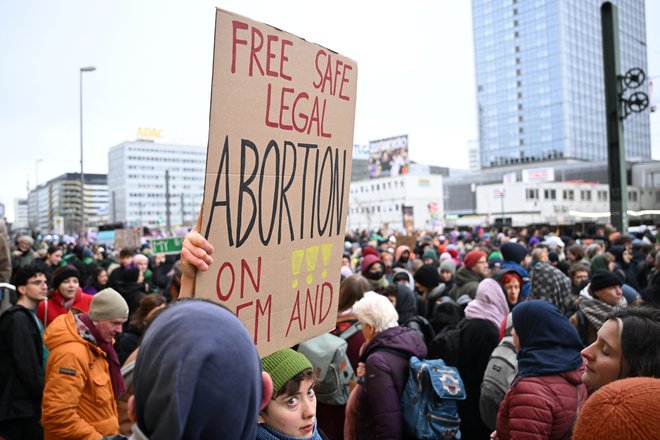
[(153, 60)]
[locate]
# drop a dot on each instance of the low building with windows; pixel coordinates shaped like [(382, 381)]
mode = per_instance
[(397, 203)]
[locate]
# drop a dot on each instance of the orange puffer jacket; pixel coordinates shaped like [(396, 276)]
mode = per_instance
[(78, 401)]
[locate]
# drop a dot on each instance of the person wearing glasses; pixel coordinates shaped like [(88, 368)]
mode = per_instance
[(23, 358)]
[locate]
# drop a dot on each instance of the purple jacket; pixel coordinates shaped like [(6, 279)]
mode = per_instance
[(379, 413)]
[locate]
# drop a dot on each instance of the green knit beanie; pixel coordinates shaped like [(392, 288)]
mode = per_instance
[(495, 255), (283, 365)]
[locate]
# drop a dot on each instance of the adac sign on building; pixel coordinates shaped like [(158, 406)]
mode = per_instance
[(149, 133)]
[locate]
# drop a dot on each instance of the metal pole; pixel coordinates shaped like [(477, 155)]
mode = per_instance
[(616, 158), (502, 206), (167, 203), (82, 175), (183, 212), (36, 190)]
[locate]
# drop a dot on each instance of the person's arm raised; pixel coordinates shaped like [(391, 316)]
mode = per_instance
[(195, 255)]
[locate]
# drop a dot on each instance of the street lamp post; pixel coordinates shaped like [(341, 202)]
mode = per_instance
[(82, 176), (36, 190)]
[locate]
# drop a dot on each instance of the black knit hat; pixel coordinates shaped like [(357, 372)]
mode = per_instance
[(64, 272), (603, 279), (513, 252), (428, 276)]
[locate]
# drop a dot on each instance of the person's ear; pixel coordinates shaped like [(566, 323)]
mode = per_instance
[(267, 389), (131, 409), (22, 290)]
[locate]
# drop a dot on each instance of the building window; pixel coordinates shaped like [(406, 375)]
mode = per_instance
[(550, 194), (602, 196), (585, 195), (569, 194), (632, 196), (532, 194)]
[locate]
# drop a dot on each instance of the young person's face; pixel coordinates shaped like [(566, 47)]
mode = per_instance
[(446, 276), (102, 279), (293, 415), (126, 261), (36, 288), (142, 265), (603, 357), (69, 287), (482, 267), (580, 277), (512, 289), (55, 258)]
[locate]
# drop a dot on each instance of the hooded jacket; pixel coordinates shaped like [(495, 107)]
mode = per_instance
[(78, 401), (478, 338), (543, 400), (467, 281), (526, 287), (55, 306), (197, 376), (379, 413), (21, 365)]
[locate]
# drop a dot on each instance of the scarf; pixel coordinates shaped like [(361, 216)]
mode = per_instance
[(596, 311), (489, 303), (379, 285), (550, 284), (266, 432), (118, 386), (549, 343)]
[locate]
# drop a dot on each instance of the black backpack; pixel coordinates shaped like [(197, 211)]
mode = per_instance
[(445, 312), (446, 345), (422, 326)]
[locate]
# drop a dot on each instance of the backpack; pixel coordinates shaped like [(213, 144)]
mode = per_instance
[(429, 400), (500, 372), (445, 312), (422, 326), (447, 344), (8, 297), (333, 369), (582, 327)]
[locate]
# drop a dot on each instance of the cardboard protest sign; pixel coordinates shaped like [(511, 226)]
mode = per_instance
[(277, 180), (127, 239)]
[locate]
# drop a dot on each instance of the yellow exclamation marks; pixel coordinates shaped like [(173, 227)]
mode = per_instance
[(296, 265), (326, 250), (312, 256)]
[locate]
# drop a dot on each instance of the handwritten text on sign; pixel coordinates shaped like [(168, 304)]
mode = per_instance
[(278, 171)]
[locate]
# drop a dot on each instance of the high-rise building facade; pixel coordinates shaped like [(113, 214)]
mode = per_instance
[(539, 78), (143, 176)]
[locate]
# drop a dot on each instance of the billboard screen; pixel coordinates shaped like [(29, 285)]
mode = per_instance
[(388, 157)]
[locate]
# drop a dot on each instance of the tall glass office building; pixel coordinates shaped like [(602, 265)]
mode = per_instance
[(539, 77)]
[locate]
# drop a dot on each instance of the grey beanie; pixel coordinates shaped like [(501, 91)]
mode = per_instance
[(108, 305), (448, 266)]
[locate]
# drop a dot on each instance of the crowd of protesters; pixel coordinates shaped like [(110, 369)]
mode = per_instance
[(80, 358)]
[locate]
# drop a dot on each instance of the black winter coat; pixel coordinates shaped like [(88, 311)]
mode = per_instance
[(21, 365), (479, 338)]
